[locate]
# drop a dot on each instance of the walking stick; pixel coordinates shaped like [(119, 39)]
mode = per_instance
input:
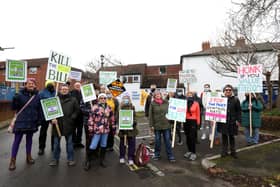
[(56, 125), (174, 133), (213, 134), (250, 113)]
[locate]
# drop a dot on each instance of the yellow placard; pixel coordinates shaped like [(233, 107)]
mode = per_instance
[(64, 69)]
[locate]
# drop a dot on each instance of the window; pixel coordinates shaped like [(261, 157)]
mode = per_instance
[(33, 70), (162, 70), (136, 78), (131, 78)]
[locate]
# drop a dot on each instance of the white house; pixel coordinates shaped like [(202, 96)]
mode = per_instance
[(198, 62)]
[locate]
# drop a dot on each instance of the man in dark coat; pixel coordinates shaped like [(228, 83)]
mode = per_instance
[(149, 100), (66, 125), (78, 129), (230, 128)]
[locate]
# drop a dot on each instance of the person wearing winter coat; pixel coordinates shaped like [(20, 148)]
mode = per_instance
[(47, 92), (256, 107), (160, 125), (191, 125), (126, 104), (66, 124), (229, 129), (27, 120), (101, 120)]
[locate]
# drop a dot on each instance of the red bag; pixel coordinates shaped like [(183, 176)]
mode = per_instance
[(142, 155)]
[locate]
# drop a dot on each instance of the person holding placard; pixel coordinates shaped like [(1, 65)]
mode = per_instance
[(256, 107), (47, 92), (29, 115), (191, 125), (160, 125), (66, 124), (230, 128), (129, 135), (101, 118)]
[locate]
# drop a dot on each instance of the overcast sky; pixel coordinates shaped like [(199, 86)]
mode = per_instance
[(144, 31)]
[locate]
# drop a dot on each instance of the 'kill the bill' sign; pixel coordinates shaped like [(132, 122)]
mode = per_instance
[(216, 109), (177, 109), (59, 67), (126, 119), (51, 108), (16, 71), (250, 79)]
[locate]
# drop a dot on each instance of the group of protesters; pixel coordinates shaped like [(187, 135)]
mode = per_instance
[(99, 120)]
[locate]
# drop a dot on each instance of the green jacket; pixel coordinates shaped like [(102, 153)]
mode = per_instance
[(157, 116), (129, 133), (257, 108)]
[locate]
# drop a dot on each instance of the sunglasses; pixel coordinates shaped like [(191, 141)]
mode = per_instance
[(102, 98), (228, 90)]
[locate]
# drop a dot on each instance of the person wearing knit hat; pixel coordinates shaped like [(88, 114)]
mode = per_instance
[(229, 129), (47, 92), (130, 134)]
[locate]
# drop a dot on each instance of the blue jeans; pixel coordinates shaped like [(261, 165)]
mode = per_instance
[(166, 137), (95, 140), (255, 135), (69, 147)]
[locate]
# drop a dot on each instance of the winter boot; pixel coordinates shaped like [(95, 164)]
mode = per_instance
[(12, 165), (102, 156), (29, 159)]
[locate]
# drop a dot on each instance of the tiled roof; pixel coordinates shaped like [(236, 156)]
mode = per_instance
[(257, 47)]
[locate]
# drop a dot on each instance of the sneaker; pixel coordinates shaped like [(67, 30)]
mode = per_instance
[(122, 161), (71, 163), (192, 157), (201, 128), (53, 163), (130, 162), (172, 160), (187, 154), (207, 127), (41, 152), (180, 143), (155, 158), (203, 137)]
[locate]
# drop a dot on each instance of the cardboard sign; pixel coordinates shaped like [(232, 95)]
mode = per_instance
[(250, 79), (116, 88), (51, 108), (187, 76), (171, 85), (216, 109), (76, 75), (126, 119), (106, 77), (59, 67), (88, 92), (16, 71), (177, 109)]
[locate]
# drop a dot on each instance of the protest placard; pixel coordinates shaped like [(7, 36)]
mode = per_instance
[(187, 76), (250, 78), (171, 85), (88, 92), (76, 75), (51, 108), (125, 119), (59, 67), (106, 77), (116, 88), (16, 71), (177, 109), (216, 109)]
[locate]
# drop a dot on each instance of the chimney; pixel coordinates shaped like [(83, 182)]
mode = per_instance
[(205, 45), (240, 42)]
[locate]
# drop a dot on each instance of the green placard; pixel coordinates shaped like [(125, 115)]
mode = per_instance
[(126, 120), (51, 108), (88, 92), (171, 85), (16, 71)]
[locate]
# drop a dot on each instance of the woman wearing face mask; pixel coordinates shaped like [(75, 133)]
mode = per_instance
[(256, 107), (190, 126), (130, 134)]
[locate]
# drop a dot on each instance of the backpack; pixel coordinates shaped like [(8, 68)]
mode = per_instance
[(142, 155)]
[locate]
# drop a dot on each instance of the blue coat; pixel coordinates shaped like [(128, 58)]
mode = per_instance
[(45, 93), (29, 119)]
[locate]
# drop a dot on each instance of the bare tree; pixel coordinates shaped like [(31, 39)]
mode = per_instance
[(106, 60), (246, 26)]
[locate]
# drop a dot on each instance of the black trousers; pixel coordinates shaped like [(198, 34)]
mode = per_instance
[(111, 139), (43, 135), (190, 132), (78, 131), (178, 131), (225, 139)]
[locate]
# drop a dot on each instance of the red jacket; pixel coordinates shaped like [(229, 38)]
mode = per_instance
[(194, 112)]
